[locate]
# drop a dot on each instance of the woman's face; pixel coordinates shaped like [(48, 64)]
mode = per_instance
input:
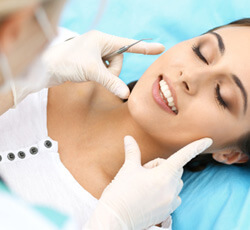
[(209, 79)]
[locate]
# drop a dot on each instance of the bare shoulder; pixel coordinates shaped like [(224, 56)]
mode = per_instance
[(80, 95), (60, 97)]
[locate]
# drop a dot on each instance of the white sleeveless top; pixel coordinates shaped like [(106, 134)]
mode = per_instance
[(30, 162)]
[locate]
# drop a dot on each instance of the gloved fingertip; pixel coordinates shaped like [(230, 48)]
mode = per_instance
[(128, 140), (160, 46), (154, 47), (122, 92), (132, 150), (204, 144)]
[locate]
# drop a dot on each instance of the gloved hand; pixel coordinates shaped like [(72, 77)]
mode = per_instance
[(140, 197), (80, 59)]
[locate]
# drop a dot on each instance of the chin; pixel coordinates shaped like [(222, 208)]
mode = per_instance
[(139, 111), (143, 115), (136, 108)]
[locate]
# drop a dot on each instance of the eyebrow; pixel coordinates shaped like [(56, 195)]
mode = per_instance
[(236, 80), (242, 89), (220, 42)]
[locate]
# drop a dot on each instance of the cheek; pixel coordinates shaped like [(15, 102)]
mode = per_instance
[(210, 121)]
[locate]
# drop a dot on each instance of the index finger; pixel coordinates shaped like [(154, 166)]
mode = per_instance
[(141, 47), (147, 48), (187, 153)]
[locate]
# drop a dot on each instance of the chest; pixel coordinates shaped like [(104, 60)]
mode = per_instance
[(86, 169)]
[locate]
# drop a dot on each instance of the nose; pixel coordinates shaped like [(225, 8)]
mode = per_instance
[(194, 79)]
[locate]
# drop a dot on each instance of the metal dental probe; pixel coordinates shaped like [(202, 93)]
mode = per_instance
[(122, 50)]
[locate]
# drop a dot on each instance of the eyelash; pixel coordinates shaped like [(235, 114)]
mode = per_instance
[(219, 98), (197, 51)]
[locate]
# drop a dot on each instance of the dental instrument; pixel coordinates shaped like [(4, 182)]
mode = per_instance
[(122, 50)]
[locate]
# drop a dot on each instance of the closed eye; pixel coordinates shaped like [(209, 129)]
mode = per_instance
[(219, 97), (197, 51)]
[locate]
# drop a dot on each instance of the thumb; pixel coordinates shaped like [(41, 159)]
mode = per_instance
[(114, 84), (187, 153), (132, 151), (115, 65)]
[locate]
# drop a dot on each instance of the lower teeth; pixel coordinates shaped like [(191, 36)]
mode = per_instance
[(167, 102)]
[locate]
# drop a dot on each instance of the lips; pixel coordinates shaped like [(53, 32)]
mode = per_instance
[(162, 102)]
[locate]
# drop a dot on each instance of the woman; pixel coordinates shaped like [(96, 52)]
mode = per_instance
[(206, 70), (86, 123)]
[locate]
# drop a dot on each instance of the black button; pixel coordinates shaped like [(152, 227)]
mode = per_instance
[(33, 150), (11, 156), (1, 158), (48, 144), (21, 154)]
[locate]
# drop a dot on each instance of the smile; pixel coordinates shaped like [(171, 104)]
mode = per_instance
[(164, 95)]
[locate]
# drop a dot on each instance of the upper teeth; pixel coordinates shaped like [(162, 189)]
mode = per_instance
[(167, 94)]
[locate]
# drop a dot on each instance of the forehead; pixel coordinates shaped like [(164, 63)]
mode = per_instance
[(236, 40), (237, 48)]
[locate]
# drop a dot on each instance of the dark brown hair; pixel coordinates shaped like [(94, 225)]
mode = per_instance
[(202, 161)]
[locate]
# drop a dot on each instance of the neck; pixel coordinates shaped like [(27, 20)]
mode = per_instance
[(109, 129)]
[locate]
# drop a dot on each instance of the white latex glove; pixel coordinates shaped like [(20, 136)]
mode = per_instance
[(80, 59), (140, 197), (165, 225)]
